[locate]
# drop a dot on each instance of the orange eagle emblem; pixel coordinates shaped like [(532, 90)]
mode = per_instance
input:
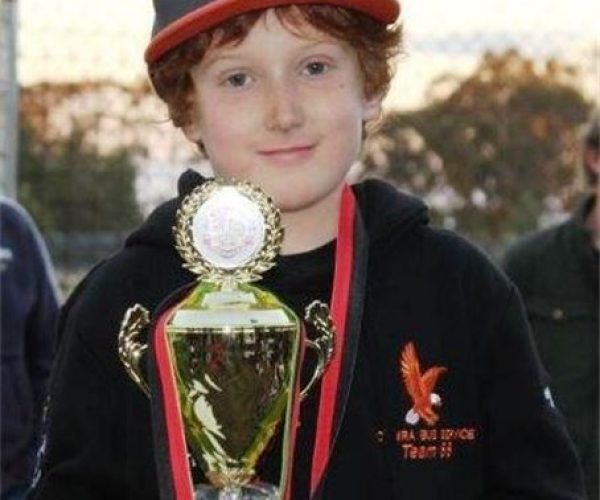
[(420, 387)]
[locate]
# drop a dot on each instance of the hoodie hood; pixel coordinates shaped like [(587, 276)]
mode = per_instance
[(157, 230), (384, 210)]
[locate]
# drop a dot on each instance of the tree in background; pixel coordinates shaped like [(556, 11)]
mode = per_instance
[(74, 188), (77, 170), (69, 179), (494, 153)]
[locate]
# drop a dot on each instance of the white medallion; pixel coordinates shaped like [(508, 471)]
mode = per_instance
[(228, 230)]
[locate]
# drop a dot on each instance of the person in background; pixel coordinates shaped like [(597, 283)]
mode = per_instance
[(556, 271), (29, 310)]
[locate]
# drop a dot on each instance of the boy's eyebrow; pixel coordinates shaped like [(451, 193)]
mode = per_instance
[(210, 61)]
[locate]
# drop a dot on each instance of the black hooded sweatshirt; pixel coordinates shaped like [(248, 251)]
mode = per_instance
[(428, 297)]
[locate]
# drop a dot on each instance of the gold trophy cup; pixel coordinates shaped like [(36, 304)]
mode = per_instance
[(234, 347)]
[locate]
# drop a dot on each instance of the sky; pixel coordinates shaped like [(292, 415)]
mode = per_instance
[(477, 15), (67, 40)]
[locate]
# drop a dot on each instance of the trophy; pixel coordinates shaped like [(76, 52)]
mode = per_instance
[(234, 349)]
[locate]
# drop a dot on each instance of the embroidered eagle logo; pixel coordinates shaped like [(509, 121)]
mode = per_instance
[(420, 387)]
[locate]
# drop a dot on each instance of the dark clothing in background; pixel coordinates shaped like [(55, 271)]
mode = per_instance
[(29, 309), (556, 271), (497, 438)]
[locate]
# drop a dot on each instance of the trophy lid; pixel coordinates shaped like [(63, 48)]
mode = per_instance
[(228, 232), (246, 307)]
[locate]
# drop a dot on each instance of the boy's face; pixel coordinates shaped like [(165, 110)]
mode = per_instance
[(282, 110)]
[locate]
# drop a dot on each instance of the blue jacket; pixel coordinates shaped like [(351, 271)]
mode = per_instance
[(29, 303)]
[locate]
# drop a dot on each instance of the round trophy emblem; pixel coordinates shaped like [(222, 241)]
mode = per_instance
[(228, 230)]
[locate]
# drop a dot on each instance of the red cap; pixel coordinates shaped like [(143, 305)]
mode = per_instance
[(179, 20)]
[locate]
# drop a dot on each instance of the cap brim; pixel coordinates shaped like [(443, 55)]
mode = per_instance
[(217, 11)]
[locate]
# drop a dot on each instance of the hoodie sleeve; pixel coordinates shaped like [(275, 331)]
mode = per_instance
[(82, 458), (530, 454), (95, 442), (83, 413)]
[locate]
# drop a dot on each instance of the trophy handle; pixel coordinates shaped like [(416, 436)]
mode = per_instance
[(318, 315), (130, 349)]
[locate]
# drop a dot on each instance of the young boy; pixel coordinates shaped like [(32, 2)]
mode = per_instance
[(439, 393)]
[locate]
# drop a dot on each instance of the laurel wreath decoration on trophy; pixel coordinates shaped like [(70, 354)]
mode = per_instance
[(248, 270)]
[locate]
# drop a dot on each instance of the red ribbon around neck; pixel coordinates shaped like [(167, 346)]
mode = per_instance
[(340, 300)]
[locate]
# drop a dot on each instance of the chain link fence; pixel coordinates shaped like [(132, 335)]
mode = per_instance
[(85, 98)]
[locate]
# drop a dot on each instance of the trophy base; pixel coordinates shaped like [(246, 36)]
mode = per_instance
[(256, 491)]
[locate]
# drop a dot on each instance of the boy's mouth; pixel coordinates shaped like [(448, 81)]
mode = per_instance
[(288, 153)]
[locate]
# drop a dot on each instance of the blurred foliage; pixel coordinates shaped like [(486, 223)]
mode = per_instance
[(69, 179), (490, 152)]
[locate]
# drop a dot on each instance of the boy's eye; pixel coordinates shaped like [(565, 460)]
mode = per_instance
[(316, 68), (237, 80)]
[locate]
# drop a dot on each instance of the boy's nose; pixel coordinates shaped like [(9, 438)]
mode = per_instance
[(284, 108)]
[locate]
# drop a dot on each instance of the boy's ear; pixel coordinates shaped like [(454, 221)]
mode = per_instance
[(192, 131), (372, 107)]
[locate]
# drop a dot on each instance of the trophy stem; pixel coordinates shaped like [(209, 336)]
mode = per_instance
[(257, 491), (228, 284), (230, 493)]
